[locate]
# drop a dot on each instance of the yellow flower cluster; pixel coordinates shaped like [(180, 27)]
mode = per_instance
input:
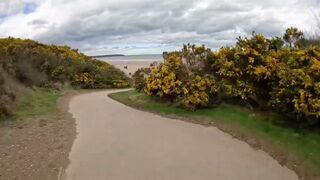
[(307, 103), (259, 71), (120, 83), (59, 64), (172, 81), (50, 66), (199, 91), (299, 82), (162, 82), (59, 70), (84, 79)]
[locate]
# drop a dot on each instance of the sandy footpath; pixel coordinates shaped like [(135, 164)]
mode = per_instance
[(117, 142)]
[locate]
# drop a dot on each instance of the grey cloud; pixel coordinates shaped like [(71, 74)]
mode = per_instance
[(120, 24), (38, 22)]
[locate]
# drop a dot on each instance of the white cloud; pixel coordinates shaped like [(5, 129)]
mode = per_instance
[(11, 7), (96, 26)]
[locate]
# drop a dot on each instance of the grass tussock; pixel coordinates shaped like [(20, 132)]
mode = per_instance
[(35, 103)]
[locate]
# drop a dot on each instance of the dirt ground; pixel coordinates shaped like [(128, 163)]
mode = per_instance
[(37, 149)]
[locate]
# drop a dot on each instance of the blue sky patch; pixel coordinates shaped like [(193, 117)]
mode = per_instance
[(2, 16), (29, 8)]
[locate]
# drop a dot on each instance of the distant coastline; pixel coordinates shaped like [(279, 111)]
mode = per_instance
[(108, 55), (139, 58)]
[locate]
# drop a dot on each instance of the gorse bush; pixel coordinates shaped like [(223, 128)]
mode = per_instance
[(35, 64), (7, 96), (3, 95), (265, 73), (163, 80), (298, 85), (139, 76), (200, 92)]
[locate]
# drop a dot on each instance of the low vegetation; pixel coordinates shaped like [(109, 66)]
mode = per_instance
[(32, 64), (34, 103), (270, 74)]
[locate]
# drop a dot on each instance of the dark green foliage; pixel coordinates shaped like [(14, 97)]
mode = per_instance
[(259, 72), (139, 78), (305, 43), (35, 64)]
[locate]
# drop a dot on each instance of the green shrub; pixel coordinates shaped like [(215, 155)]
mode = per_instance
[(165, 79), (138, 78), (261, 72), (35, 64)]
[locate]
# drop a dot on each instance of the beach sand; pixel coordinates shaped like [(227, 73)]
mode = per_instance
[(132, 66)]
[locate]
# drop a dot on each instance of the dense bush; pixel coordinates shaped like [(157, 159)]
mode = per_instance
[(164, 79), (44, 65), (139, 78), (3, 108), (266, 73), (7, 96), (298, 86), (200, 92), (35, 64), (178, 80)]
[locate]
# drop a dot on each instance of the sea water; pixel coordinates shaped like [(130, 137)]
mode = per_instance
[(148, 57)]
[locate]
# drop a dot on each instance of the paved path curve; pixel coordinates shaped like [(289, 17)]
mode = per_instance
[(116, 142)]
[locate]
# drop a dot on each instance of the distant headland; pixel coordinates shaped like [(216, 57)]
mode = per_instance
[(107, 55)]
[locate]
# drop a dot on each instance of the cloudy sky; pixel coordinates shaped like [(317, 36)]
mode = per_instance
[(149, 26)]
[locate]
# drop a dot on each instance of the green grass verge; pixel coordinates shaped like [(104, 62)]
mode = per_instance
[(304, 146), (35, 103)]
